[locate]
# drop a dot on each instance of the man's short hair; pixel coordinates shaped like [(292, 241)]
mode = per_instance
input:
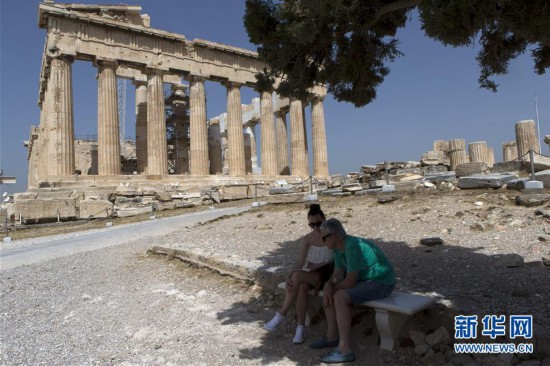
[(334, 226)]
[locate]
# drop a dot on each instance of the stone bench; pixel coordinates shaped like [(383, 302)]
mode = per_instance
[(391, 312)]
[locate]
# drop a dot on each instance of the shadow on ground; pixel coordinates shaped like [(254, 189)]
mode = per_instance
[(464, 280)]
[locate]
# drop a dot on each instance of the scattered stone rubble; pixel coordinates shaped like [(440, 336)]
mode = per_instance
[(130, 199), (436, 348), (448, 167), (433, 171), (125, 200)]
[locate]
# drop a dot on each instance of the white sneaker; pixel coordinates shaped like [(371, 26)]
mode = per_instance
[(301, 334), (275, 323)]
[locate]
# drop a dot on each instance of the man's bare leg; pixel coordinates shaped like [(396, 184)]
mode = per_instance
[(342, 306)]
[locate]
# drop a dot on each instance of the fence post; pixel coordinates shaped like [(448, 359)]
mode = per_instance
[(532, 158)]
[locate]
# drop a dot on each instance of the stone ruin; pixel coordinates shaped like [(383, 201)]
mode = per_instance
[(451, 166), (177, 153), (179, 157)]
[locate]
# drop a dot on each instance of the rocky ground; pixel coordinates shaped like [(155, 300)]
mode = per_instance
[(120, 306), (493, 260)]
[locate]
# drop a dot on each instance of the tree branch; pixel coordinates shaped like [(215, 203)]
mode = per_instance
[(396, 5)]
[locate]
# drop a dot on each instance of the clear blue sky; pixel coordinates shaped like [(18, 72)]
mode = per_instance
[(430, 94)]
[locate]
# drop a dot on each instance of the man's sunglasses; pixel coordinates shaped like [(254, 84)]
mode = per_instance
[(324, 237), (315, 224)]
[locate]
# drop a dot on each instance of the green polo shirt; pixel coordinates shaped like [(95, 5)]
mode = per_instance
[(366, 258)]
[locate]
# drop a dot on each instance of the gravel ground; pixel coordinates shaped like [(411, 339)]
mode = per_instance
[(490, 262), (121, 306)]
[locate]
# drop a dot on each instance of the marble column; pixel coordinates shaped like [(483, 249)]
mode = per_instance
[(181, 131), (478, 151), (300, 165), (235, 139), (282, 142), (141, 126), (490, 156), (509, 151), (215, 146), (108, 129), (319, 138), (269, 148), (457, 152), (43, 138), (225, 154), (198, 139), (251, 131), (527, 138), (441, 145), (157, 153), (247, 153), (60, 118), (180, 122)]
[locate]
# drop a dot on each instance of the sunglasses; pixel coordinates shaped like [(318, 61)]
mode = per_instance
[(324, 237), (315, 224)]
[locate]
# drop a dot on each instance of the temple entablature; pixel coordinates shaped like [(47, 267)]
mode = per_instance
[(97, 32)]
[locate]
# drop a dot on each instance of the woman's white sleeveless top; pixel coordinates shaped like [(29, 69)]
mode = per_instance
[(317, 254)]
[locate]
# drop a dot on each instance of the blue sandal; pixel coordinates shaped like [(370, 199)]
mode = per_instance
[(337, 357)]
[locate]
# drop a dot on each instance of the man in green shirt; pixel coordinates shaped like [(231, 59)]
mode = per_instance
[(361, 273)]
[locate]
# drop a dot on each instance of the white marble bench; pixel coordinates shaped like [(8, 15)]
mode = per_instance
[(391, 313)]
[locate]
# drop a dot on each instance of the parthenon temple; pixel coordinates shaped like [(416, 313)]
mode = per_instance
[(180, 145)]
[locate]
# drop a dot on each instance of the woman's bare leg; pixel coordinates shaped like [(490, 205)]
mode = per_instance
[(301, 302), (287, 303), (312, 279)]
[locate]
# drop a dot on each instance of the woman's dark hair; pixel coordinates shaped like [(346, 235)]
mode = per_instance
[(315, 209)]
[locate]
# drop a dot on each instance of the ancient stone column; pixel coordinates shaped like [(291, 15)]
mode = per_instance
[(250, 130), (527, 138), (181, 130), (141, 125), (282, 142), (457, 152), (509, 151), (269, 148), (157, 159), (235, 139), (60, 119), (247, 153), (300, 164), (225, 154), (215, 146), (180, 123), (34, 154), (490, 157), (197, 127), (319, 138), (43, 165), (478, 151), (441, 145), (108, 141)]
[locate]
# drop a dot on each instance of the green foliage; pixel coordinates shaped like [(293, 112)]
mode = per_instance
[(347, 44)]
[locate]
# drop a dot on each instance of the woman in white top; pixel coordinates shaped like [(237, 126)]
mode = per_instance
[(312, 268)]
